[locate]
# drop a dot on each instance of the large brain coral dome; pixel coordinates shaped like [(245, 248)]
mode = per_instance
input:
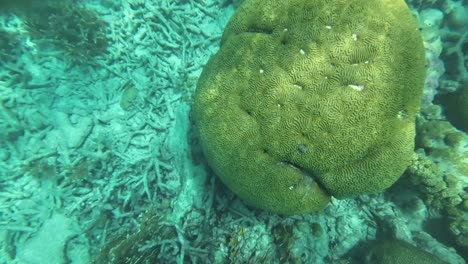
[(308, 99)]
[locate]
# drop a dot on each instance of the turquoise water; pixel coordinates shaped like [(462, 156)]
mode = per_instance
[(100, 163)]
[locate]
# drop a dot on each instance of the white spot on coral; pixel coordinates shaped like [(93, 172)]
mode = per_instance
[(291, 187), (354, 36), (366, 62), (298, 86), (302, 51), (29, 43), (401, 114), (356, 87), (284, 30), (328, 27), (261, 71)]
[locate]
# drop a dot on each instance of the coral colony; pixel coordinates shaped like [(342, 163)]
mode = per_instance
[(229, 131)]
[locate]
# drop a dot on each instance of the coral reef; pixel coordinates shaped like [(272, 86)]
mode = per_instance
[(68, 147), (8, 42), (304, 101), (99, 156), (66, 25), (444, 26), (440, 170), (150, 244), (398, 252)]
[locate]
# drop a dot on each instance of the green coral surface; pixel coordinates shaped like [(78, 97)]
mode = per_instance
[(311, 99), (399, 252)]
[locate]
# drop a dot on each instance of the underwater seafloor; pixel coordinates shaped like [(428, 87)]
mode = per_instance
[(98, 162)]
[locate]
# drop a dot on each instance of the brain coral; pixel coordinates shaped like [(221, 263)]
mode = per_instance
[(308, 99), (399, 252)]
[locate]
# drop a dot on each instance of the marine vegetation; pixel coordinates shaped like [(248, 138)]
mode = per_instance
[(66, 25)]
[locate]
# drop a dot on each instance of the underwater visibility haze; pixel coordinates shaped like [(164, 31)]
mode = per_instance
[(234, 131)]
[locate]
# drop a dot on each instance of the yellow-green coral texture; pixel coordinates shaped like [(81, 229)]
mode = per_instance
[(399, 252), (308, 99)]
